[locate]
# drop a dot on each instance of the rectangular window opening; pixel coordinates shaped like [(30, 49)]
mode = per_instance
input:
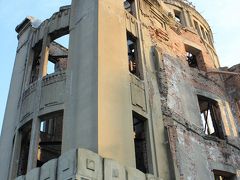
[(211, 39), (141, 143), (58, 55), (178, 16), (207, 36), (203, 32), (194, 58), (129, 6), (133, 56), (25, 133), (50, 142), (197, 27), (210, 116), (36, 62)]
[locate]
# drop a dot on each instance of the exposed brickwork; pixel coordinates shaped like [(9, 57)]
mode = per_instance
[(191, 149)]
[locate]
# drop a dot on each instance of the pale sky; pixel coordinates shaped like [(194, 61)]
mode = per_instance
[(222, 15)]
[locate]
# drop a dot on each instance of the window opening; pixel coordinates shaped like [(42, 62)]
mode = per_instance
[(197, 28), (46, 126), (209, 38), (58, 55), (141, 142), (50, 142), (210, 116), (178, 16), (194, 58), (129, 6), (222, 175), (36, 62), (203, 33), (25, 133), (133, 58)]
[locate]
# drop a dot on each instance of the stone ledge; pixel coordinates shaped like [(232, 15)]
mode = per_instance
[(82, 164)]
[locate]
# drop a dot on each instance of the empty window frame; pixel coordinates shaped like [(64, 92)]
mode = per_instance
[(178, 16), (196, 26), (58, 55), (141, 143), (129, 6), (133, 55), (50, 142), (203, 32), (209, 38), (222, 175), (194, 58), (25, 133), (210, 116), (36, 62)]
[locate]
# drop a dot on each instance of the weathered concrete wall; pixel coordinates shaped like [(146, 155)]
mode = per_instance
[(81, 108), (98, 94), (83, 164), (115, 127), (180, 86), (233, 88), (11, 116)]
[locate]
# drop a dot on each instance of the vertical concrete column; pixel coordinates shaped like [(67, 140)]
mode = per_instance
[(33, 150), (115, 128), (12, 107), (45, 54), (80, 124)]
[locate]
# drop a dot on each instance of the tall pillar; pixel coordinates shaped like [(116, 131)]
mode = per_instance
[(115, 131), (97, 117), (14, 96), (80, 124), (35, 133)]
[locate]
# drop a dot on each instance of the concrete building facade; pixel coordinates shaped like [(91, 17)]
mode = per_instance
[(139, 90)]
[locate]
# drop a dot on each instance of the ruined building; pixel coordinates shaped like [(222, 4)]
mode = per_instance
[(138, 91)]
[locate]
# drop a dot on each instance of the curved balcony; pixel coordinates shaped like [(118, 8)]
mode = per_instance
[(52, 94)]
